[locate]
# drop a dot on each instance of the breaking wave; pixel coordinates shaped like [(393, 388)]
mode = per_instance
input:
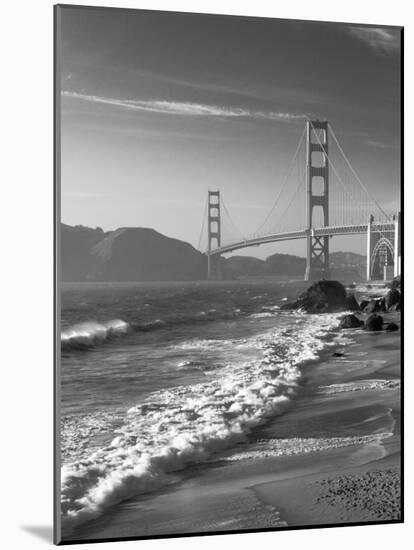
[(174, 428), (84, 336), (87, 335)]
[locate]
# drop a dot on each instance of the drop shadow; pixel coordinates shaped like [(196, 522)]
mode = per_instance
[(43, 532)]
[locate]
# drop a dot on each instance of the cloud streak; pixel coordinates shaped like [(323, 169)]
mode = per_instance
[(181, 108), (379, 144), (381, 40)]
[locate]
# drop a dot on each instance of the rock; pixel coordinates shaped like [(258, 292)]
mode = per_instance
[(350, 321), (395, 307), (351, 303), (374, 322), (396, 283), (375, 306), (392, 298), (391, 327), (321, 297), (337, 354), (363, 304)]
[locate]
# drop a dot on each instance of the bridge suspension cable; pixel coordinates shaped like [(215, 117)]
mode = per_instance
[(285, 181), (200, 238), (356, 175), (350, 204), (230, 219)]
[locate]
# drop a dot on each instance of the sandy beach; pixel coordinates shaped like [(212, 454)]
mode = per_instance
[(334, 457)]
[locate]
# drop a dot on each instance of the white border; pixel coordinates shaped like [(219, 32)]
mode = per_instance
[(26, 269)]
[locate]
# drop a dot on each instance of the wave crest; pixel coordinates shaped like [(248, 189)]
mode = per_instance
[(86, 335)]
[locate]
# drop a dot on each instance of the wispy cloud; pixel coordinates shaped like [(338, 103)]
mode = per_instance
[(379, 144), (182, 108), (382, 40)]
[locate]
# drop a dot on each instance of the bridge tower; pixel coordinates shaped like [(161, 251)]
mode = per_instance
[(317, 195), (214, 234)]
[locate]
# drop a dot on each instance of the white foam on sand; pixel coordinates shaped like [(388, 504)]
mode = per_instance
[(203, 344), (361, 385), (271, 448), (262, 315), (184, 425)]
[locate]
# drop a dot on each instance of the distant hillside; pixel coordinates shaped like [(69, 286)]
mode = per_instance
[(143, 254), (344, 266), (127, 254), (76, 244), (349, 263), (277, 264), (286, 264), (247, 266)]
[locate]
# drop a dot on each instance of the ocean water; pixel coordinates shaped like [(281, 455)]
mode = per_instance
[(157, 378)]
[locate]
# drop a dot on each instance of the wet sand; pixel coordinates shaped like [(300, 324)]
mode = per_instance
[(352, 402), (368, 486)]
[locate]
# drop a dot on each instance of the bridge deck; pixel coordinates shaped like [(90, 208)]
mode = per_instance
[(329, 231)]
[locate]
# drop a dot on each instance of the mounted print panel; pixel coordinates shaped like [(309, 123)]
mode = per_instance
[(228, 274)]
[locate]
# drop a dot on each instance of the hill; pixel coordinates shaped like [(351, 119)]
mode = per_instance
[(142, 254), (76, 244), (127, 254), (344, 266)]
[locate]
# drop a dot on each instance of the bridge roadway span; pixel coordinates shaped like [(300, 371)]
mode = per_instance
[(328, 231)]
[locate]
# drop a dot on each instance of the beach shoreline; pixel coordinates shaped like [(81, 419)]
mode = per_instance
[(343, 493), (358, 404)]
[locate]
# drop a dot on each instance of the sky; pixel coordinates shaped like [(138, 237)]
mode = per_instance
[(158, 107)]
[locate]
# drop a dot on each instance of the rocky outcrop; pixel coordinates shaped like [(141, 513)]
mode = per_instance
[(391, 327), (375, 306), (396, 283), (351, 321), (321, 297), (351, 303), (392, 298), (374, 323)]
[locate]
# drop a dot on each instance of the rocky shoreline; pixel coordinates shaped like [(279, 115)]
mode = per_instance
[(331, 297)]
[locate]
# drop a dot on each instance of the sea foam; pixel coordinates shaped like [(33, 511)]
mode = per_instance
[(361, 385), (293, 446), (184, 425)]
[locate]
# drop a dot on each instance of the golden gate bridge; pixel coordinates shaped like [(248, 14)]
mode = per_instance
[(321, 197)]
